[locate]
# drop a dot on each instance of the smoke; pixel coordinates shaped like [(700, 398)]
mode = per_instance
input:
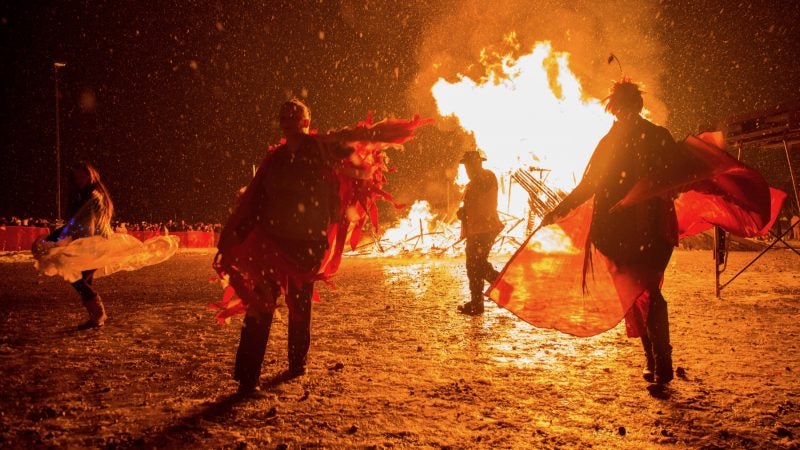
[(447, 38), (588, 30)]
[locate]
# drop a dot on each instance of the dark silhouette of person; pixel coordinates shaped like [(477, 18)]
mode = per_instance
[(290, 225), (298, 197), (795, 223), (480, 226), (88, 214), (637, 239)]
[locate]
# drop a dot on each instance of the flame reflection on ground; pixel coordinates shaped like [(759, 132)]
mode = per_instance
[(433, 288)]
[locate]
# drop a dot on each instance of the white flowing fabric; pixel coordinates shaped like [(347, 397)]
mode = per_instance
[(107, 255)]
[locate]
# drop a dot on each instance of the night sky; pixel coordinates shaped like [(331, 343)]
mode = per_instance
[(174, 103)]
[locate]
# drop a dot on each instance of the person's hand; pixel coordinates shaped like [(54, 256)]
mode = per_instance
[(548, 219)]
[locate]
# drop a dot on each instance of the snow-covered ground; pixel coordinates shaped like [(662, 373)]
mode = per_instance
[(393, 364)]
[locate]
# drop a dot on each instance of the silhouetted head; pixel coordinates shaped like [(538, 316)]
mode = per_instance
[(625, 100), (473, 161), (84, 174), (295, 118)]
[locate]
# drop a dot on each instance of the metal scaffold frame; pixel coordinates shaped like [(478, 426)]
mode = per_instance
[(777, 128)]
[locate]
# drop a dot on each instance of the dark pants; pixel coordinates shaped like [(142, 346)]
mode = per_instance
[(85, 287), (655, 340), (657, 347), (479, 269), (258, 320)]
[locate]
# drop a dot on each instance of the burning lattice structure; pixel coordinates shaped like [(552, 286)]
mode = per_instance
[(538, 129), (423, 233), (541, 198)]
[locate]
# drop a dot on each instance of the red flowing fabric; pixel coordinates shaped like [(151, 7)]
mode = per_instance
[(710, 188), (247, 257), (359, 196)]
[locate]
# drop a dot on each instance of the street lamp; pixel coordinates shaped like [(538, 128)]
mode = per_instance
[(56, 66)]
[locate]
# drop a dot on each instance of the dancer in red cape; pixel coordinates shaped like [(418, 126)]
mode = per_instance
[(308, 198), (640, 192)]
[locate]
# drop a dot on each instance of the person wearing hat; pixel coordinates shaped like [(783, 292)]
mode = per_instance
[(480, 226)]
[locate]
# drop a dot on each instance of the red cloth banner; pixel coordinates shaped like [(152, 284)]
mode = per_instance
[(196, 239), (188, 239), (14, 238)]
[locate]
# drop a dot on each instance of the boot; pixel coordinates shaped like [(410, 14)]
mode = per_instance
[(471, 308), (664, 372), (658, 332), (97, 313), (252, 346), (648, 373)]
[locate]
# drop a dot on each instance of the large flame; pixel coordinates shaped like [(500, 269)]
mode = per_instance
[(525, 113), (528, 111), (418, 232)]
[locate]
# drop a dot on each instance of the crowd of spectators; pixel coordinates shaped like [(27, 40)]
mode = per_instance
[(119, 226), (169, 225), (15, 221)]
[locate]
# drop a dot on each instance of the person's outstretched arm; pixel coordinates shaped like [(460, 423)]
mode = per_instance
[(591, 182)]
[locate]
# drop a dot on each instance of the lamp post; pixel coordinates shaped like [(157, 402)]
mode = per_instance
[(56, 66)]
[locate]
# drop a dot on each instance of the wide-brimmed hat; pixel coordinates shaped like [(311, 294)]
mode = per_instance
[(473, 155)]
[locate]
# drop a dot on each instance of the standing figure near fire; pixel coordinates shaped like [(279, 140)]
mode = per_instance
[(289, 228), (794, 222), (637, 239), (88, 214), (297, 200), (480, 226)]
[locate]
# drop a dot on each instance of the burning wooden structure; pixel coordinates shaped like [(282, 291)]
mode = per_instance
[(542, 199), (421, 233)]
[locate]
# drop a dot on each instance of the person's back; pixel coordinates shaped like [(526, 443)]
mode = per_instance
[(637, 239), (299, 192), (480, 225), (631, 152), (480, 204)]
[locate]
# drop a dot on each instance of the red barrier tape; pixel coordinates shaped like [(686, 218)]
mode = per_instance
[(19, 238), (188, 239), (22, 238)]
